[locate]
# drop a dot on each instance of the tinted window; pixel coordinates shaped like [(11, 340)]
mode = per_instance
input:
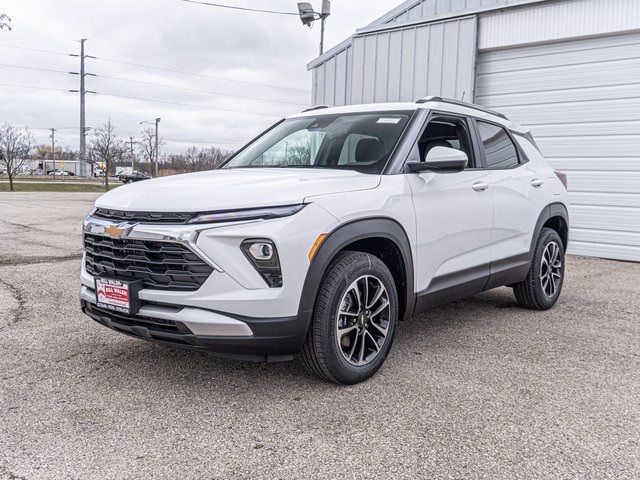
[(499, 150), (443, 132)]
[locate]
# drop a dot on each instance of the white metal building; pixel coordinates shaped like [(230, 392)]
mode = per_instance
[(567, 69)]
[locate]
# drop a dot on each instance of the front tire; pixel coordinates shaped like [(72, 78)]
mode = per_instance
[(542, 287), (354, 320)]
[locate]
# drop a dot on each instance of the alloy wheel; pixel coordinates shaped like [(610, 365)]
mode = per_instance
[(362, 322), (550, 269)]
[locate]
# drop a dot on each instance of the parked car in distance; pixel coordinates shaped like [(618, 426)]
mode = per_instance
[(323, 233), (132, 177), (59, 173)]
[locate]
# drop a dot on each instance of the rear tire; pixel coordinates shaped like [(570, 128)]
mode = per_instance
[(542, 287), (354, 320)]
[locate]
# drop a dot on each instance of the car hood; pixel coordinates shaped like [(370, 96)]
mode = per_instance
[(233, 189)]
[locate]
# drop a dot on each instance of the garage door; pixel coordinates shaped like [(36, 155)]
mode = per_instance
[(581, 100)]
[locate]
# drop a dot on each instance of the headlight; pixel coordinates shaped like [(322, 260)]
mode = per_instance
[(264, 257), (247, 214)]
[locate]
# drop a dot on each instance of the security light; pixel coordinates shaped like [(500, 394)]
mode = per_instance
[(307, 15)]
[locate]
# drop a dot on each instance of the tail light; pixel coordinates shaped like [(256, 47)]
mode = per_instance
[(563, 178)]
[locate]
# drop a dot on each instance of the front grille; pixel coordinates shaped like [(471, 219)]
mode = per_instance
[(144, 217), (160, 265)]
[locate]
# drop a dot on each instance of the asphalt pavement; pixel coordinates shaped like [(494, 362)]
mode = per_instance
[(478, 389)]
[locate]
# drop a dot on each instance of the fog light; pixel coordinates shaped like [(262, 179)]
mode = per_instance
[(261, 251), (263, 255)]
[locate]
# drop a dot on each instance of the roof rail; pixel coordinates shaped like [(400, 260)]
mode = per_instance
[(434, 98), (317, 107)]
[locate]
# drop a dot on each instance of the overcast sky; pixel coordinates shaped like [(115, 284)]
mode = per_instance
[(270, 52)]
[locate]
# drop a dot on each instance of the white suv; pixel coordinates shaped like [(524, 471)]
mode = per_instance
[(325, 231)]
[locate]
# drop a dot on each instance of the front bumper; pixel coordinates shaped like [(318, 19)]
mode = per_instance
[(258, 340)]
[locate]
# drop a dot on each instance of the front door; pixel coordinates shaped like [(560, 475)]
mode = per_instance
[(454, 216)]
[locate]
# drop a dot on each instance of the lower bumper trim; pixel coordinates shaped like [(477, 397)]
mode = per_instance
[(272, 339)]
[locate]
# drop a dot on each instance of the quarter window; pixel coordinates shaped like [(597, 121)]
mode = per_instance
[(499, 150)]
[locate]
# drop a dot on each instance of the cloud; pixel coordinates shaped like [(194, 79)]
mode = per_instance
[(244, 48)]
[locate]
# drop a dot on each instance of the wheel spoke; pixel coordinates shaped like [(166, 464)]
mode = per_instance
[(346, 330), (379, 310), (362, 347), (348, 314), (380, 328), (356, 295), (377, 296), (375, 343), (365, 292), (353, 347)]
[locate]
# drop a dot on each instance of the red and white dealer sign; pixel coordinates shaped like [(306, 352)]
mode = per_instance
[(113, 294)]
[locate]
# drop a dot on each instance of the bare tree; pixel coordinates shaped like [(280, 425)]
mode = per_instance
[(147, 145), (193, 158), (106, 147), (15, 146)]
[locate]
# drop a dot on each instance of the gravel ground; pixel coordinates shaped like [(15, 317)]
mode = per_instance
[(475, 389)]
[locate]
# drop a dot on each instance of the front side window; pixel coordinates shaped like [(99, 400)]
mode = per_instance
[(499, 150), (362, 142), (446, 132)]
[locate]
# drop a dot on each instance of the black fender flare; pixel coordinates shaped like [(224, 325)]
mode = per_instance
[(346, 234), (550, 211)]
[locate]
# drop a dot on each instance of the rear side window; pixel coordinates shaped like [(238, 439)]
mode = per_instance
[(499, 149)]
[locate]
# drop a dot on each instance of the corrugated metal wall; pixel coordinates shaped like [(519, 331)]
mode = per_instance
[(581, 100), (429, 8), (557, 20), (401, 65)]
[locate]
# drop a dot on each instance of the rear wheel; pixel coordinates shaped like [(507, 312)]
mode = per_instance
[(542, 287), (354, 320)]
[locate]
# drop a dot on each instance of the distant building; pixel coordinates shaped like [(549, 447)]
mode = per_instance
[(569, 70)]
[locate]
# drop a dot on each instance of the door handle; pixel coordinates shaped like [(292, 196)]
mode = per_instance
[(480, 187), (537, 183)]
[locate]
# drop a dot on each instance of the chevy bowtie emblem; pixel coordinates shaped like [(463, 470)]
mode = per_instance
[(114, 231)]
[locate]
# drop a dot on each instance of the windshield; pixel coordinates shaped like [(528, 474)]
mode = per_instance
[(361, 142)]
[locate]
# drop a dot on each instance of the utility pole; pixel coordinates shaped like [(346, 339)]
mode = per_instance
[(83, 131), (131, 150), (53, 150), (154, 170), (157, 122), (83, 92)]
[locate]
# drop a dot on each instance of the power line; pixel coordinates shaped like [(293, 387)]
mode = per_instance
[(196, 90), (233, 7), (25, 67), (33, 87), (33, 49), (164, 69), (204, 107), (164, 54), (188, 140), (207, 142)]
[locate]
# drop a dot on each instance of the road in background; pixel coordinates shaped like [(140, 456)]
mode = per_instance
[(476, 389)]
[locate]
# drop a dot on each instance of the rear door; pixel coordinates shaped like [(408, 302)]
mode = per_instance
[(518, 197)]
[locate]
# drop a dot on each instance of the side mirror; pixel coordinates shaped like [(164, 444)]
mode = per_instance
[(441, 159)]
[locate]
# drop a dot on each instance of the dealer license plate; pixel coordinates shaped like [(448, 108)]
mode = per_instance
[(117, 295)]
